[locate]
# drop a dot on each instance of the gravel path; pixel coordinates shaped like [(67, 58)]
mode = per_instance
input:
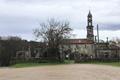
[(62, 72)]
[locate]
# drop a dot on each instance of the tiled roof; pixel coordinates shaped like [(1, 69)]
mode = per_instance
[(78, 41), (114, 47)]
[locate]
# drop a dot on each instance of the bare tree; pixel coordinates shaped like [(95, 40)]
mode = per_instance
[(53, 33)]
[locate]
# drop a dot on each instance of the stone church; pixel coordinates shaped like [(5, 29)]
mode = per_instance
[(82, 46), (90, 47)]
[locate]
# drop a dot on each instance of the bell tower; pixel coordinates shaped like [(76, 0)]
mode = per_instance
[(90, 34)]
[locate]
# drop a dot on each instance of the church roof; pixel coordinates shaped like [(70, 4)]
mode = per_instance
[(78, 41), (89, 14)]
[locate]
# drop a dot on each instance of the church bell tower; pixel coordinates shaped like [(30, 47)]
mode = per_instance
[(90, 34)]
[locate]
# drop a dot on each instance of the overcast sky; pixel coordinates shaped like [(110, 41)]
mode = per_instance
[(20, 17)]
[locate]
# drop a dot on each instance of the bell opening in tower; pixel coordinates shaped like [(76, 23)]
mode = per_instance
[(90, 34)]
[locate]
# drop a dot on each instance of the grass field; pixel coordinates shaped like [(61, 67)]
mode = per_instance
[(117, 64), (31, 64)]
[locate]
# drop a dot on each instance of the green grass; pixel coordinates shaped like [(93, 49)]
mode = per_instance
[(110, 63), (31, 64)]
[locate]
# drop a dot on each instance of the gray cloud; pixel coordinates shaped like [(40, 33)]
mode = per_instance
[(21, 16), (16, 24), (111, 27)]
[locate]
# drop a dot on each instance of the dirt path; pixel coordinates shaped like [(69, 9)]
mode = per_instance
[(62, 72)]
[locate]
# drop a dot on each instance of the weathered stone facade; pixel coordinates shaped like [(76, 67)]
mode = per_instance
[(90, 48)]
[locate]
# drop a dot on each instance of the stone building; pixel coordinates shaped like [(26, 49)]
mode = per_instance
[(107, 51), (89, 47), (85, 47), (82, 46)]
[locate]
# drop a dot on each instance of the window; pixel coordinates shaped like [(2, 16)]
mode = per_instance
[(90, 23), (89, 18)]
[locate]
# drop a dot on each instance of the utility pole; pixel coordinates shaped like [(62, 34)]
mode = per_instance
[(98, 48), (98, 33)]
